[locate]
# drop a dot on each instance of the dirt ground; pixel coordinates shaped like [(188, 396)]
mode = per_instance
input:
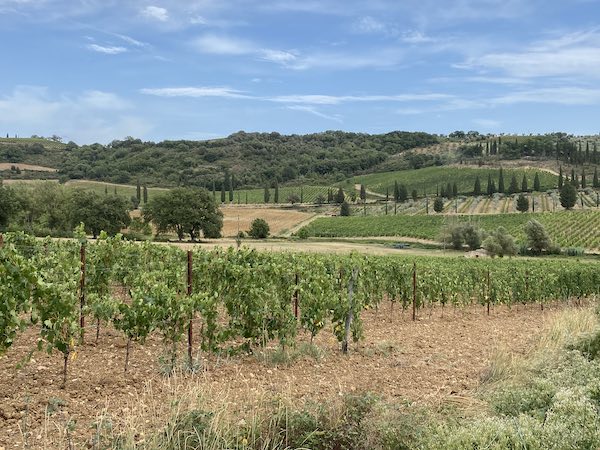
[(279, 220), (440, 356), (7, 166)]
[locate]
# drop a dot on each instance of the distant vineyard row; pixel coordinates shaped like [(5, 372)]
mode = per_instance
[(567, 229)]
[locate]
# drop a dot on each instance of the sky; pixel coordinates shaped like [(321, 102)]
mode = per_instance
[(99, 70)]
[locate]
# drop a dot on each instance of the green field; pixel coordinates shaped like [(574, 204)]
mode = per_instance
[(429, 178), (567, 229), (309, 194)]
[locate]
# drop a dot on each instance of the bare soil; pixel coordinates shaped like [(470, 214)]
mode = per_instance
[(280, 220), (439, 357), (7, 166)]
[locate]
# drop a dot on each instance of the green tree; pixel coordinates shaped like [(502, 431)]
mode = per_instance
[(267, 195), (339, 197), (454, 189), (537, 237), (231, 188), (514, 186), (522, 203), (490, 186), (259, 229), (99, 213), (363, 192), (185, 210), (8, 206), (524, 184), (138, 192), (536, 183), (396, 191), (583, 182), (574, 179), (477, 188), (145, 194), (276, 195), (414, 195), (438, 204), (472, 236), (568, 195), (402, 193), (501, 181), (560, 178), (500, 243), (595, 181), (345, 209)]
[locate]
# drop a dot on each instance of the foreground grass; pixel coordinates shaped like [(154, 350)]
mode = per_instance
[(548, 399)]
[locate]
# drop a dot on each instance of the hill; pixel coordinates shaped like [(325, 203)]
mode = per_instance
[(253, 159)]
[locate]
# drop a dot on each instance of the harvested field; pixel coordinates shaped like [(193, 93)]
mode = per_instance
[(21, 166), (437, 358), (279, 219)]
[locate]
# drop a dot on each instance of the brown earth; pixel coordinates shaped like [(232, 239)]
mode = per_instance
[(7, 166), (438, 358), (279, 219)]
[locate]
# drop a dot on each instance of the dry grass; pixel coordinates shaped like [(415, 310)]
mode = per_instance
[(240, 217)]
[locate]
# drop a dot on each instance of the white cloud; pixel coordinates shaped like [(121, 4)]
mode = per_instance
[(195, 92), (198, 20), (103, 100), (315, 112), (156, 13), (277, 56), (575, 55), (92, 116), (107, 50), (223, 45), (369, 24), (416, 37), (552, 95), (338, 99)]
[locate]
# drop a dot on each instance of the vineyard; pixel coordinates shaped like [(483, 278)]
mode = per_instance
[(567, 229), (429, 179), (245, 299)]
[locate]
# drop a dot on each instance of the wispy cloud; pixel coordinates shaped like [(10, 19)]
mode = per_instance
[(156, 13), (195, 92), (552, 95), (107, 50), (338, 99), (223, 45), (574, 55), (315, 112)]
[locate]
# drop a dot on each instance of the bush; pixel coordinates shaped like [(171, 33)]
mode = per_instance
[(259, 229), (345, 209), (537, 238), (302, 233), (500, 243), (438, 204)]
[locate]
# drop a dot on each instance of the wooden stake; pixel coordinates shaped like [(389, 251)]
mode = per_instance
[(189, 293), (82, 292), (414, 300)]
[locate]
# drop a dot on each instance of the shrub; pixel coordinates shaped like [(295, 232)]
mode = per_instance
[(259, 229), (345, 209), (537, 237)]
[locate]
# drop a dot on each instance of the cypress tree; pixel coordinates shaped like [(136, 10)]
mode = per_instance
[(340, 197), (514, 186), (145, 194), (522, 203), (560, 178), (105, 190), (595, 181), (454, 190), (115, 190), (501, 181), (477, 188), (138, 191), (568, 196), (214, 191), (363, 192), (246, 197), (449, 190), (536, 183), (387, 194), (223, 193), (574, 179), (329, 196), (414, 195), (583, 183), (301, 194), (403, 193), (276, 196), (267, 195), (396, 191), (490, 185), (231, 188), (442, 192), (524, 186)]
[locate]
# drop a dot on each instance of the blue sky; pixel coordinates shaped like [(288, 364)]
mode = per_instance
[(98, 70)]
